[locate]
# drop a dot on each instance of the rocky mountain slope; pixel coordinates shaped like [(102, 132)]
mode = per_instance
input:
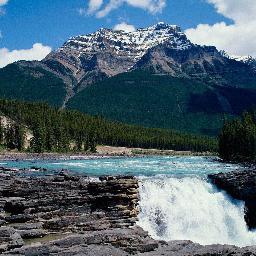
[(249, 60), (67, 76), (161, 48), (109, 52)]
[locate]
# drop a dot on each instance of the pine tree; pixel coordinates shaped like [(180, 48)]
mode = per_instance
[(19, 137), (92, 145), (86, 143), (237, 140), (1, 131), (10, 137), (39, 139)]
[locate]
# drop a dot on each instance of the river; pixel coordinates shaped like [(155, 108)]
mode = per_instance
[(177, 201)]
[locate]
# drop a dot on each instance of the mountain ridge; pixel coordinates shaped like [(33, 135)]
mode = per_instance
[(67, 76), (106, 53)]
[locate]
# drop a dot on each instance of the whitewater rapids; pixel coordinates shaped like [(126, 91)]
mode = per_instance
[(190, 208)]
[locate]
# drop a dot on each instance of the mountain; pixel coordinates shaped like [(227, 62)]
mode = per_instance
[(107, 53), (249, 60), (161, 48), (153, 77)]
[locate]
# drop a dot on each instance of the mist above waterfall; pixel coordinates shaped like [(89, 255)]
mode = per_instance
[(190, 208)]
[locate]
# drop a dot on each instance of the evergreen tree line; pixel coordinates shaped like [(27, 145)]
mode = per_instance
[(12, 135), (237, 140), (57, 130)]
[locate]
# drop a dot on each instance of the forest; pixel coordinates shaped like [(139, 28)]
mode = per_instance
[(55, 130), (237, 140)]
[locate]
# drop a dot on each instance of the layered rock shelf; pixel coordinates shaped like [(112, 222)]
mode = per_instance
[(66, 214), (240, 185)]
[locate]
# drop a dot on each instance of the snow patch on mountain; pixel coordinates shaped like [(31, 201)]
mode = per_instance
[(244, 59), (249, 60), (134, 44)]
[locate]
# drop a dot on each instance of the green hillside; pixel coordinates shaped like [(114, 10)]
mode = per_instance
[(163, 101), (56, 130), (138, 98), (31, 84), (237, 140)]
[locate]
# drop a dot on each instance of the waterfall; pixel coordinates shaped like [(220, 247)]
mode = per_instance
[(190, 208)]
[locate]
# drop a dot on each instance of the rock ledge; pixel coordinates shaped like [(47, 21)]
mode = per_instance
[(240, 185)]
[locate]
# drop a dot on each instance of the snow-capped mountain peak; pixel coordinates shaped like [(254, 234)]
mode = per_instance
[(134, 43), (162, 48), (163, 25), (247, 59), (244, 59)]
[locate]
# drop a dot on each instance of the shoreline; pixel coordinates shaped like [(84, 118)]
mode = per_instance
[(102, 152)]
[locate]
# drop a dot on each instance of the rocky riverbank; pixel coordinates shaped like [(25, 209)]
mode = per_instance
[(240, 185), (102, 152), (66, 214)]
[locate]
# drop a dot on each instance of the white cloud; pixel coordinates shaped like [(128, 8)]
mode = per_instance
[(3, 2), (238, 38), (82, 11), (37, 52), (125, 27), (94, 5), (241, 11), (152, 6)]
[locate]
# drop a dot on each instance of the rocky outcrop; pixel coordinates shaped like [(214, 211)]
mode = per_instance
[(57, 213), (63, 201), (36, 205), (127, 242), (9, 239), (240, 185)]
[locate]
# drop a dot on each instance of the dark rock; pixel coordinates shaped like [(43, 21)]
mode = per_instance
[(30, 230), (9, 239), (19, 218), (188, 248), (15, 205), (240, 185), (32, 233), (114, 243)]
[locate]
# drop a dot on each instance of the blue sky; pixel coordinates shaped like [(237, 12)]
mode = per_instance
[(49, 23), (52, 22)]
